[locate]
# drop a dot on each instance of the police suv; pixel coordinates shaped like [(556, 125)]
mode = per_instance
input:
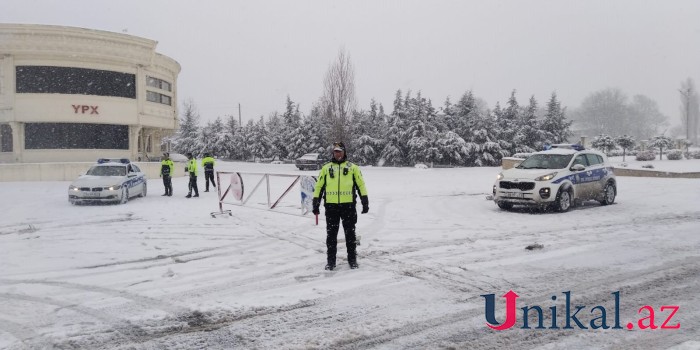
[(110, 180), (558, 177)]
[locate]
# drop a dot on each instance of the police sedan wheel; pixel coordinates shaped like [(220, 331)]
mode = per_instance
[(608, 194), (125, 195)]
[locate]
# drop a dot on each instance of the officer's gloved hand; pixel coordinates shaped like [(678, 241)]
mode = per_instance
[(365, 204), (316, 204)]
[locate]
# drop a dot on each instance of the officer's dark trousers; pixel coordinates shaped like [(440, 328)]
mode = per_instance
[(193, 185), (334, 214), (168, 184), (209, 174)]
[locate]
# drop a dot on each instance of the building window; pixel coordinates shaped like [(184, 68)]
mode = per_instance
[(158, 98), (5, 138), (149, 142), (158, 83), (74, 81), (75, 136)]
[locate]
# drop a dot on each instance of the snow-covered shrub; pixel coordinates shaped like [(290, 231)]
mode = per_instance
[(624, 165), (421, 166), (693, 155), (674, 154), (616, 153), (646, 155), (648, 166)]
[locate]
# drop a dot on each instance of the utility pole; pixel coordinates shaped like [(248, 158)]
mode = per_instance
[(687, 112)]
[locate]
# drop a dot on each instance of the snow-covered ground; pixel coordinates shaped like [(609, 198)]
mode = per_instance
[(681, 165), (160, 273)]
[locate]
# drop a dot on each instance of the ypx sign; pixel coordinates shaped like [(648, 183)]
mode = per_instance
[(85, 109)]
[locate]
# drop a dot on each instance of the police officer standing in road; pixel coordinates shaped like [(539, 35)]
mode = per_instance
[(166, 172), (337, 183), (192, 171), (208, 165)]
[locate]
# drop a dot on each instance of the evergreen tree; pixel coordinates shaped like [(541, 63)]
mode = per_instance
[(231, 129), (260, 144), (507, 122), (484, 140), (529, 137), (557, 129), (187, 138), (277, 132), (464, 110), (291, 127), (452, 148), (213, 138), (392, 151)]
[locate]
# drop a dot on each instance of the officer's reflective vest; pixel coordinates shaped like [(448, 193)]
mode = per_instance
[(167, 167), (192, 166), (208, 163), (339, 181)]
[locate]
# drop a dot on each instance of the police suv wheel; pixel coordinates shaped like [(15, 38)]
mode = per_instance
[(563, 202), (144, 190)]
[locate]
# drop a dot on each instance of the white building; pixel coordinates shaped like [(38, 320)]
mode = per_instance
[(73, 95)]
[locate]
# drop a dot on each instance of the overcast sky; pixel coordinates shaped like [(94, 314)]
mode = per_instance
[(257, 52)]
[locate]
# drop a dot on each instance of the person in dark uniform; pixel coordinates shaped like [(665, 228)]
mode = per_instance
[(166, 172), (338, 182), (192, 171), (208, 165)]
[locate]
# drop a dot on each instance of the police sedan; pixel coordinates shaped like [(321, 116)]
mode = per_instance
[(110, 180)]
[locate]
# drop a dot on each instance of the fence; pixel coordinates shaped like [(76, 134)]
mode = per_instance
[(234, 189)]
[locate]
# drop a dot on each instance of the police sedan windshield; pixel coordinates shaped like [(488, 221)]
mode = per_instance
[(105, 170), (546, 161)]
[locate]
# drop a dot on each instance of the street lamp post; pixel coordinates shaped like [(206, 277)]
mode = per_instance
[(687, 112)]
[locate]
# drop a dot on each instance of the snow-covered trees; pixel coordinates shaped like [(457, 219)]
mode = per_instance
[(608, 111), (187, 138), (554, 124), (661, 142), (465, 133), (625, 142), (604, 143)]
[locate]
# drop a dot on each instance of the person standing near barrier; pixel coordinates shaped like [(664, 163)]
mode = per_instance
[(337, 184), (166, 172), (208, 165), (192, 171)]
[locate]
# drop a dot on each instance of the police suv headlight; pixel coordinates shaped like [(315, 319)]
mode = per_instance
[(499, 176), (115, 187), (546, 177), (73, 188)]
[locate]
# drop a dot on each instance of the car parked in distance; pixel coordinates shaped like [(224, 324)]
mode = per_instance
[(110, 180), (559, 178), (311, 161)]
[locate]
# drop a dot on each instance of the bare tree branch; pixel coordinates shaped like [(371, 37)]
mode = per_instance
[(339, 101)]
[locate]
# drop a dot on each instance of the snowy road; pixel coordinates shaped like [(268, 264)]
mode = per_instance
[(159, 273)]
